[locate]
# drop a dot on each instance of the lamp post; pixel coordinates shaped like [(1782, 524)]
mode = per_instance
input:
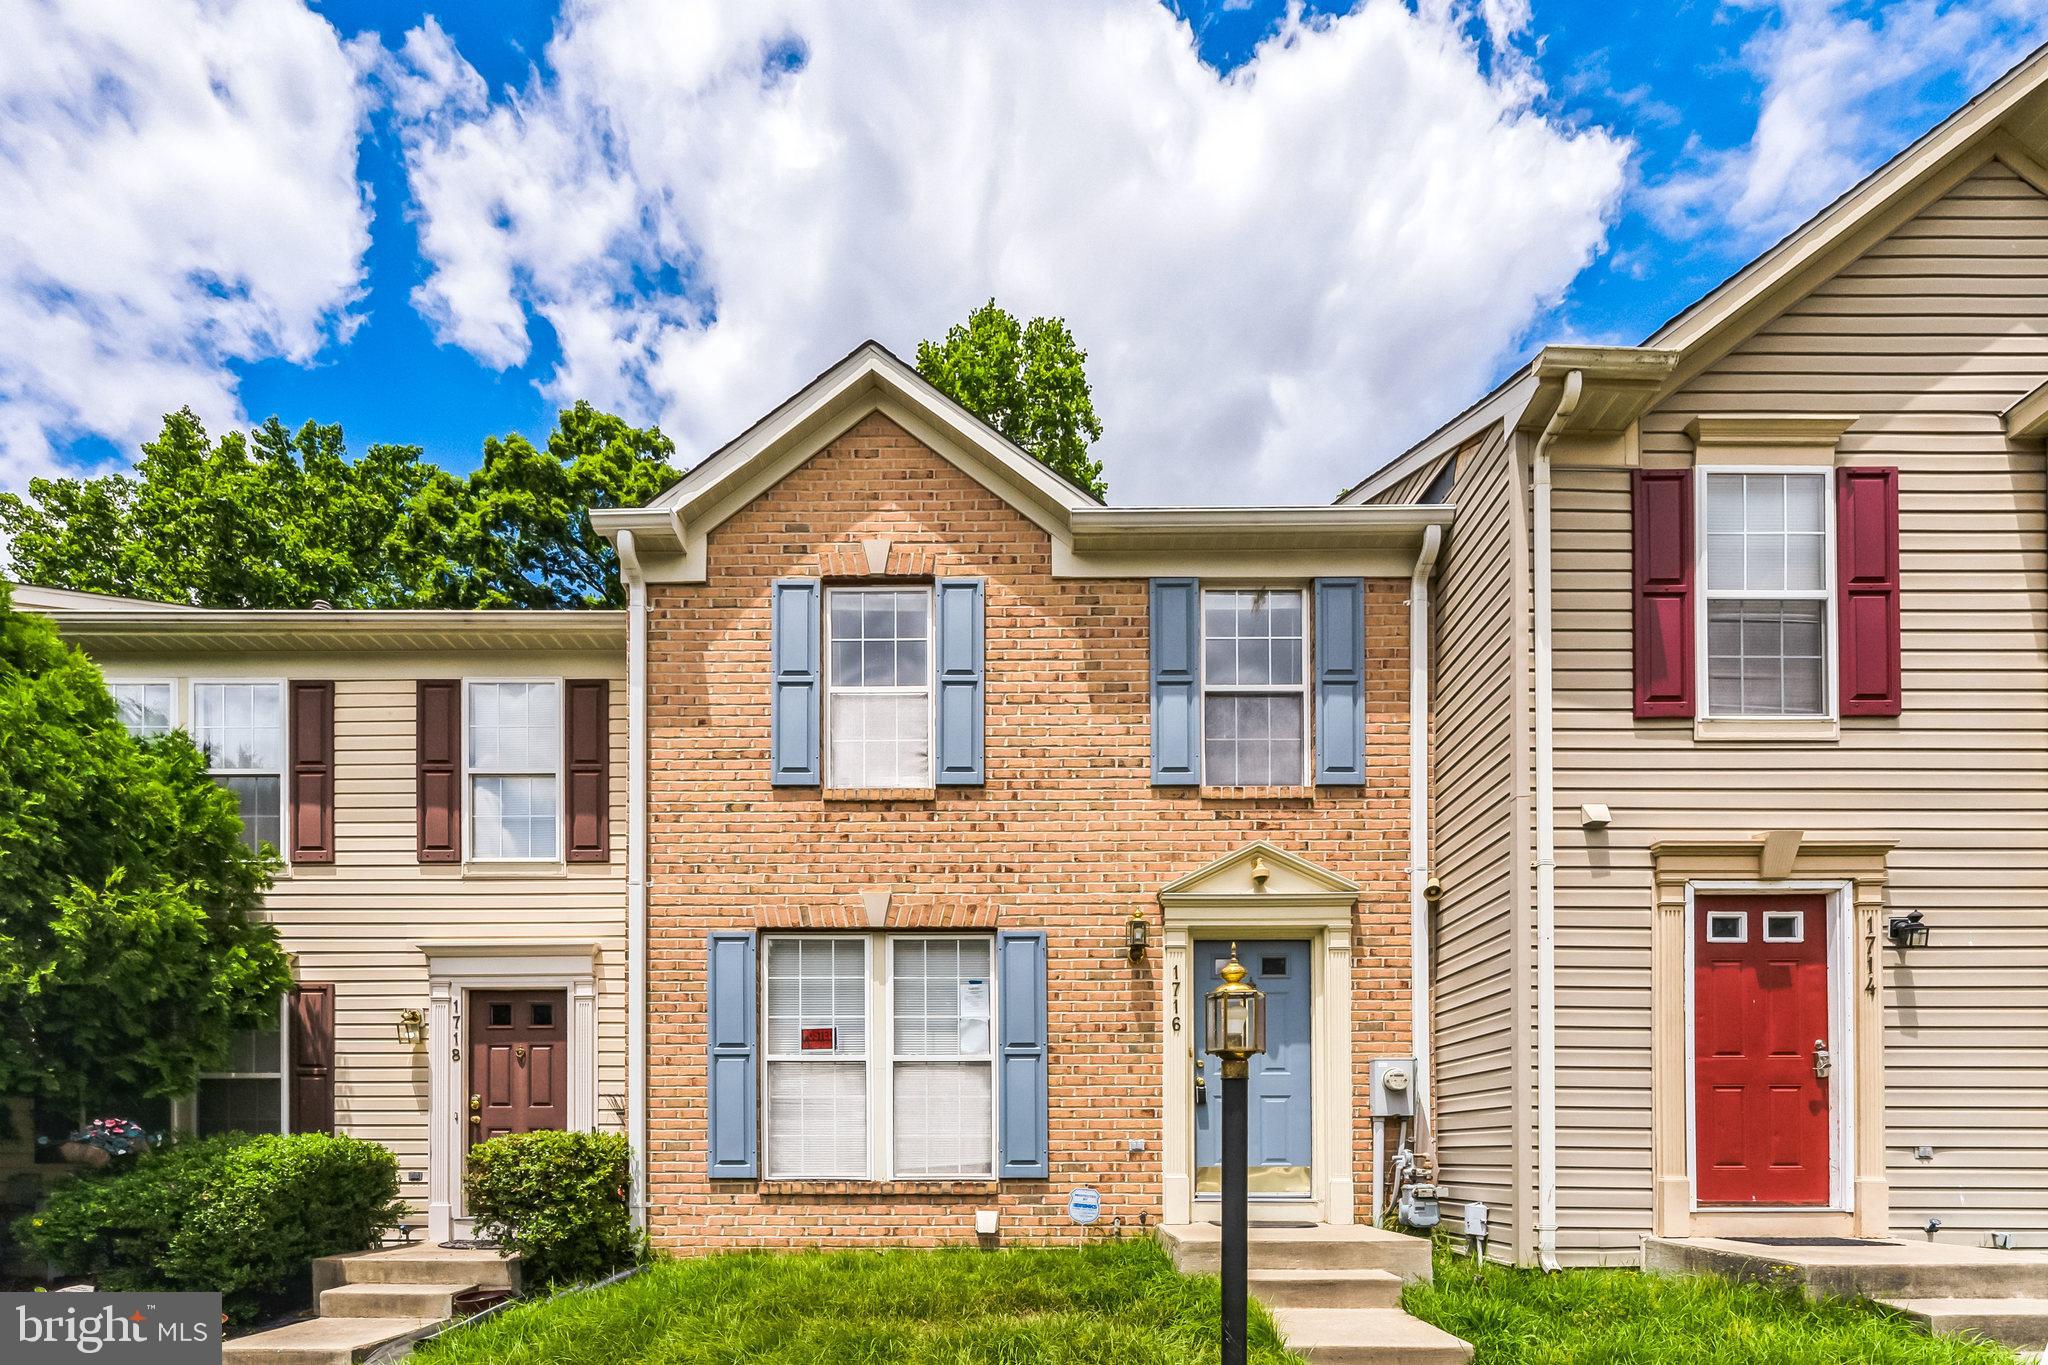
[(1235, 1031)]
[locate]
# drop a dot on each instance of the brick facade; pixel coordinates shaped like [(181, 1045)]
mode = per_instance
[(1067, 836)]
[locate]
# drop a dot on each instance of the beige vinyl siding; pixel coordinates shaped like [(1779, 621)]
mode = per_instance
[(1472, 746), (1410, 487), (1926, 340), (356, 922)]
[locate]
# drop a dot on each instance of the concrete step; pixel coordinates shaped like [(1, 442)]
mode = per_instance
[(1197, 1249), (1326, 1288), (464, 1269), (1874, 1269), (1367, 1336), (390, 1300), (2019, 1323), (323, 1341)]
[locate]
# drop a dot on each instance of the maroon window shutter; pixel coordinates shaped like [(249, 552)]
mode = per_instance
[(312, 1059), (1662, 545), (312, 774), (1867, 589), (440, 772), (587, 745)]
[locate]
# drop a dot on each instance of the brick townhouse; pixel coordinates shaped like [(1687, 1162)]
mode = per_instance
[(959, 786)]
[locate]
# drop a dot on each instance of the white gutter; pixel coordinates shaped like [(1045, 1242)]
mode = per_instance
[(1418, 825), (1546, 848), (636, 867)]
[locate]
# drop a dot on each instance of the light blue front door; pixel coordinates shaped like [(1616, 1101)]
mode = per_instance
[(1278, 1093)]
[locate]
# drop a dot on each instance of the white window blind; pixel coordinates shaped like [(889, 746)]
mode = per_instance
[(878, 688), (1254, 687), (815, 1052), (1767, 588), (943, 1114), (514, 753), (241, 728), (144, 707)]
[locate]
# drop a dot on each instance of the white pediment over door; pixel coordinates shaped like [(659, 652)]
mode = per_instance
[(1261, 881)]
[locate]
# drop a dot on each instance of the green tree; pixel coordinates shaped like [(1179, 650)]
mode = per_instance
[(130, 950), (284, 519), (275, 518), (1027, 380), (524, 539)]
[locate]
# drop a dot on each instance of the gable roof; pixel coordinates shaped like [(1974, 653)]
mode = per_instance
[(668, 539), (2006, 122)]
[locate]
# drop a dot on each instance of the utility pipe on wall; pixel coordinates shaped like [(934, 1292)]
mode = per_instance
[(636, 868), (1546, 847), (1418, 826)]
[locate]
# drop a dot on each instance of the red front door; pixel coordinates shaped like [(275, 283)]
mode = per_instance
[(1760, 1042), (518, 1063)]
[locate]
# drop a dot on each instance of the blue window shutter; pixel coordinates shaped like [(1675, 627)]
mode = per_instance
[(793, 712), (959, 653), (1340, 682), (1020, 1053), (1176, 682), (730, 1093)]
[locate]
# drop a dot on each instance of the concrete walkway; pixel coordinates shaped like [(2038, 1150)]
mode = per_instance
[(1949, 1290), (374, 1299), (1334, 1291)]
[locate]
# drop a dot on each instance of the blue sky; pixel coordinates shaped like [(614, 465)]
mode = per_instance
[(1286, 261)]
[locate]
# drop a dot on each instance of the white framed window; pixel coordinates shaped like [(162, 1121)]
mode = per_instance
[(144, 707), (240, 726), (248, 1094), (942, 1105), (815, 1052), (878, 687), (1727, 926), (513, 751), (878, 1057), (1767, 575), (1254, 687)]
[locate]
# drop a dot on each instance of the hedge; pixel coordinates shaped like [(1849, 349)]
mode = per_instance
[(558, 1199), (244, 1216)]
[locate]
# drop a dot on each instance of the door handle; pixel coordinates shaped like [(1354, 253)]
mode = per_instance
[(1823, 1061), (1201, 1085)]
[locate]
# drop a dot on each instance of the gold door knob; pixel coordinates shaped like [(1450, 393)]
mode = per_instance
[(476, 1102), (476, 1118)]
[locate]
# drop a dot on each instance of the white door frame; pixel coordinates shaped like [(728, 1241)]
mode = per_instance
[(1261, 892), (454, 970), (1837, 902)]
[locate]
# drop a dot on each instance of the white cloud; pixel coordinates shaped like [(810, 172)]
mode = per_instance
[(180, 188), (1844, 86), (1280, 275)]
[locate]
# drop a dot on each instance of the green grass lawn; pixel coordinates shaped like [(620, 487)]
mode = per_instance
[(1624, 1317), (1117, 1302)]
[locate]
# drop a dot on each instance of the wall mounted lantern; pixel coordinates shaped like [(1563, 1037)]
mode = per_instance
[(412, 1027), (1135, 935), (1907, 931)]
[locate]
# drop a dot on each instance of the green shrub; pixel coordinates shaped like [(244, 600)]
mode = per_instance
[(244, 1216), (560, 1200)]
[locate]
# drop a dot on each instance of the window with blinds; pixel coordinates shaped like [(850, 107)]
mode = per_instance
[(878, 695), (878, 1057)]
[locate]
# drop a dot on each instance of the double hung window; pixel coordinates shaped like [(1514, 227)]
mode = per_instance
[(514, 754), (1254, 687), (240, 726), (879, 1057), (878, 700), (1768, 582)]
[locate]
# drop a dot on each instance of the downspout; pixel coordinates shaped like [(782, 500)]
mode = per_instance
[(1418, 827), (636, 867), (1546, 848)]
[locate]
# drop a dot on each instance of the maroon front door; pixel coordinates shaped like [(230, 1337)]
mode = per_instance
[(1761, 1047), (518, 1062)]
